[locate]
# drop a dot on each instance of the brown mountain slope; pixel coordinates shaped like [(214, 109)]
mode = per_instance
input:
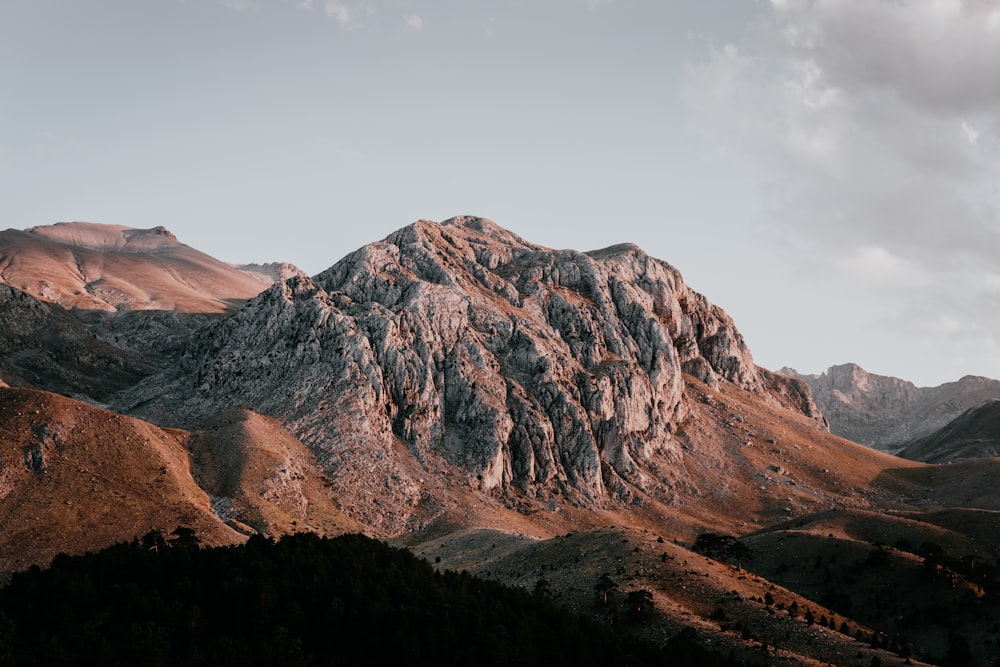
[(88, 266), (594, 572), (974, 434), (75, 478), (918, 577), (260, 476)]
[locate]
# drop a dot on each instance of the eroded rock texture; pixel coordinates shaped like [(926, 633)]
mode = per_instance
[(546, 371)]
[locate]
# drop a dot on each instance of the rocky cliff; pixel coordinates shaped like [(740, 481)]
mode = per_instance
[(886, 412), (460, 345)]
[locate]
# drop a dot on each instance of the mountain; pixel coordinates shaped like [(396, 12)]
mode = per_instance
[(110, 268), (581, 423), (974, 434), (90, 309), (545, 373), (886, 412)]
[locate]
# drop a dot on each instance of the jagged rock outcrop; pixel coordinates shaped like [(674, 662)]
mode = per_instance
[(276, 272), (888, 413), (549, 371)]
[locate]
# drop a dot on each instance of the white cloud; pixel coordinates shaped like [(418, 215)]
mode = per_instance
[(709, 85), (414, 22), (349, 15), (871, 127), (857, 149), (971, 133), (874, 266)]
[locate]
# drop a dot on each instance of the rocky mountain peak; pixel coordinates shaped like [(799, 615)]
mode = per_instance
[(545, 371)]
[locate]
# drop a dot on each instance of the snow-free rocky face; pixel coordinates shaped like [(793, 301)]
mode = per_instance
[(549, 371)]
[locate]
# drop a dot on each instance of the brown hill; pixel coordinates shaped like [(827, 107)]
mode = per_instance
[(921, 579), (720, 605), (74, 478), (261, 477), (88, 266)]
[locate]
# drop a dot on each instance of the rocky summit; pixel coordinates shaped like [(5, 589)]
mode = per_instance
[(544, 371)]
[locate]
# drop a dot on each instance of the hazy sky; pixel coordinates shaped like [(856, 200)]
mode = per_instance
[(825, 170)]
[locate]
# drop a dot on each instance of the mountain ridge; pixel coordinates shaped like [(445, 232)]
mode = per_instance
[(887, 412), (974, 434), (112, 268)]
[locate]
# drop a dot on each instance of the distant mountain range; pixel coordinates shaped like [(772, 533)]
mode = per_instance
[(888, 413), (520, 412)]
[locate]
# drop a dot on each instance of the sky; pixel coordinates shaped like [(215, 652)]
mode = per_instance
[(824, 170)]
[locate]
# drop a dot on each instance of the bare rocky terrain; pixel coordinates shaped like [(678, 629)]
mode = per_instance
[(524, 413)]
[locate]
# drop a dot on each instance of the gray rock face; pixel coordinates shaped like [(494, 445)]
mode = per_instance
[(549, 371), (887, 413)]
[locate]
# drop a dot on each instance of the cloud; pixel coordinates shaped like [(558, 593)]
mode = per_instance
[(971, 133), (876, 266), (866, 118), (872, 129), (414, 22), (349, 15)]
